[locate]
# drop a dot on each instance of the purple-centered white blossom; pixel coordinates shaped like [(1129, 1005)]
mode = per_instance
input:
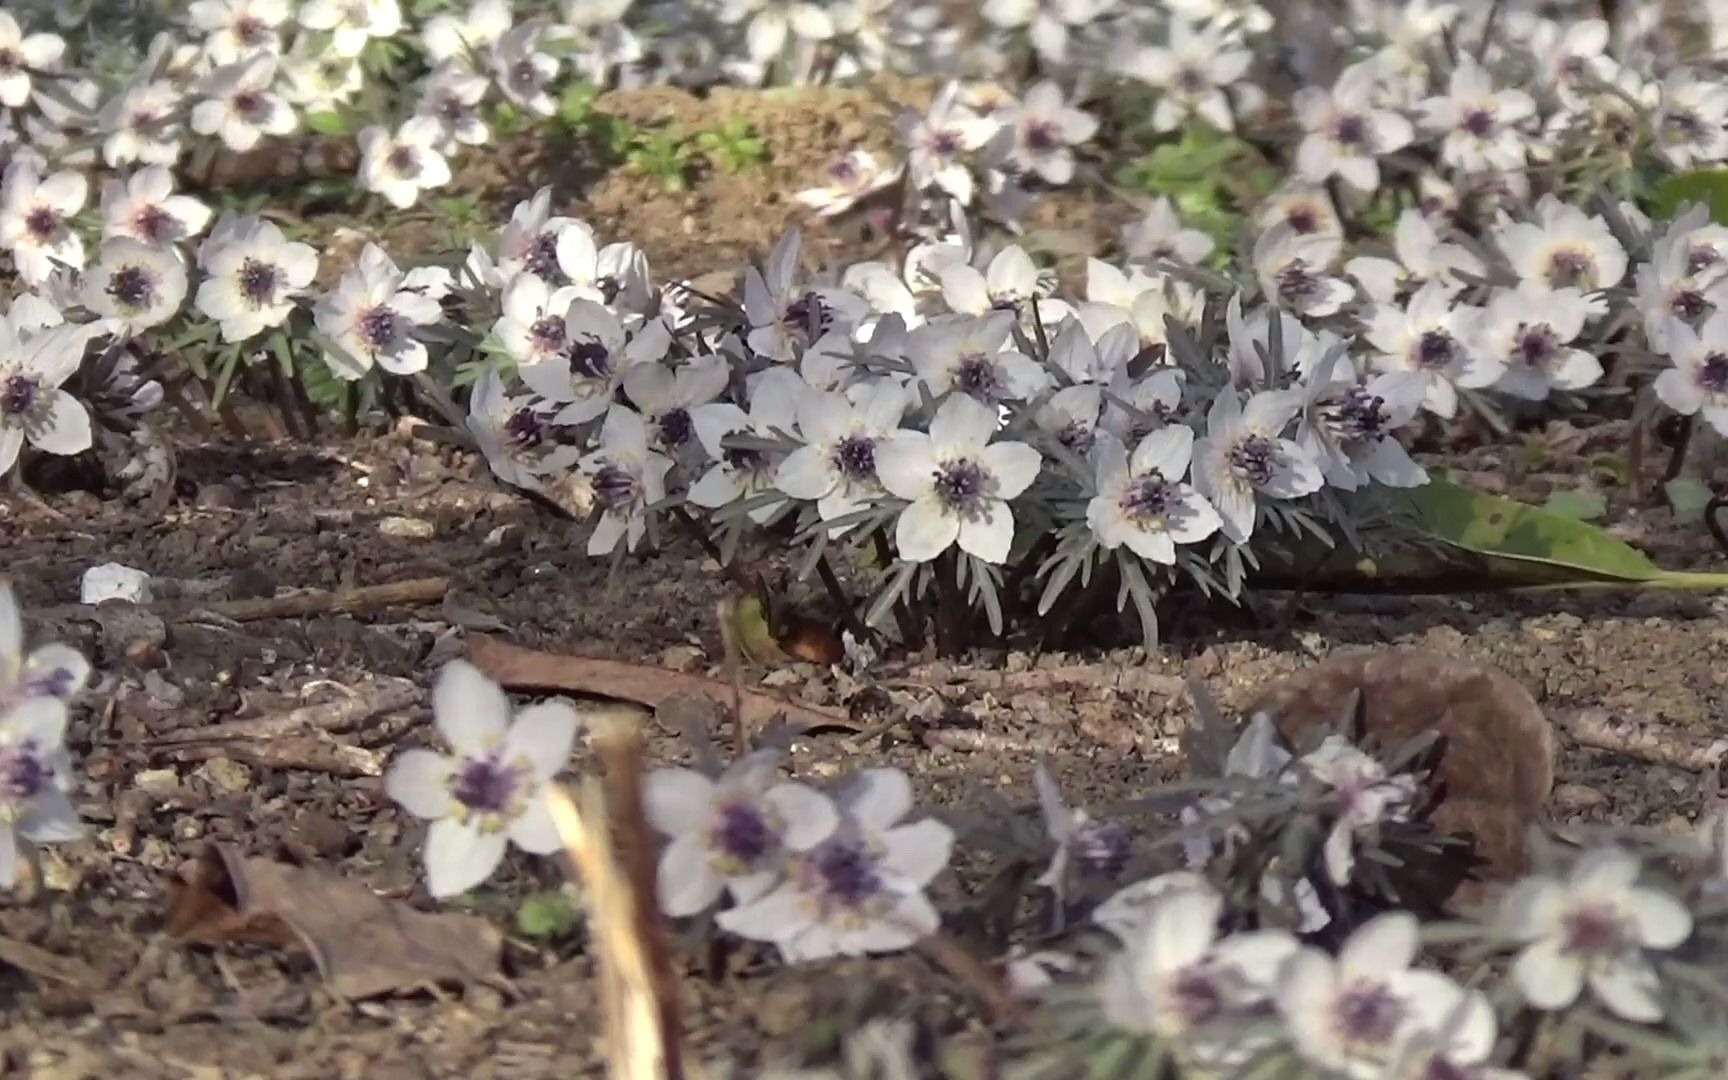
[(1563, 248), (1085, 846), (252, 275), (33, 407), (849, 179), (738, 472), (240, 106), (627, 478), (1046, 128), (1421, 257), (836, 466), (135, 285), (1245, 455), (1294, 272), (373, 312), (938, 141), (490, 791), (1480, 127), (1697, 384), (731, 833), (36, 218), (1530, 330), (969, 355), (1436, 339), (23, 56), (143, 207), (400, 165), (1192, 71), (1363, 797), (861, 889), (511, 433), (1142, 501), (35, 778), (1347, 132), (53, 670)]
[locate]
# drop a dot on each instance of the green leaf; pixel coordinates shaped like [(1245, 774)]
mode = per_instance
[(1688, 497), (547, 915), (328, 122), (1502, 528), (1577, 505), (1707, 186)]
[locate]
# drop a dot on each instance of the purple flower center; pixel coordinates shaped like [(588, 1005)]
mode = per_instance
[(1303, 219), (1077, 436), (1593, 931), (248, 103), (10, 60), (741, 834), (960, 485), (23, 774), (250, 30), (541, 259), (1190, 80), (54, 683), (1254, 459), (1536, 345), (1101, 848), (1701, 256), (1479, 122), (17, 395), (1690, 305), (1713, 374), (1350, 130), (809, 315), (1358, 416), (488, 785), (42, 222), (1435, 349), (377, 328), (132, 287), (855, 457), (589, 359), (1196, 995), (843, 172), (1682, 125), (547, 334), (524, 75), (403, 160), (154, 223), (525, 428), (975, 376), (1295, 281), (1571, 267), (846, 873), (1367, 1012), (1041, 136), (946, 143), (1149, 498), (257, 282), (614, 488), (675, 427), (1441, 1068)]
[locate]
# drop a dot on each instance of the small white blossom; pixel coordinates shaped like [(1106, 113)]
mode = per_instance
[(1292, 268), (371, 314), (1365, 797), (511, 434), (1593, 928), (938, 142), (1160, 236), (1698, 381), (1563, 248), (574, 352), (861, 889), (851, 178), (1142, 501), (1348, 426), (627, 478), (1244, 454), (240, 106), (321, 81), (36, 218), (1347, 134), (400, 166), (1691, 120), (490, 792), (730, 833), (523, 72), (957, 482), (772, 23), (1192, 72), (352, 23), (144, 208), (1436, 339), (238, 29), (135, 285), (21, 55), (141, 125), (1530, 330), (1480, 125), (968, 354), (54, 671), (253, 274), (745, 473), (667, 396), (1049, 25), (458, 39), (33, 408), (1422, 258), (452, 96), (1045, 129), (836, 466)]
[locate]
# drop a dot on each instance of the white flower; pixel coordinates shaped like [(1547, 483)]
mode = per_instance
[(1366, 796), (1292, 270), (1348, 426), (54, 671), (1192, 71), (1347, 135), (238, 29), (1452, 1038), (134, 284), (615, 275), (1421, 258), (968, 354), (666, 397), (401, 166), (1690, 121), (253, 274), (36, 218), (1160, 236), (511, 434), (836, 466), (957, 481), (1594, 928), (1698, 381), (239, 105), (352, 23), (1088, 361), (1178, 980), (1045, 126), (1438, 341), (1686, 277), (1093, 846), (851, 178), (785, 317), (1137, 299), (534, 329), (20, 55), (1307, 210), (1563, 248), (144, 208), (371, 314), (746, 473), (33, 408), (1355, 1013), (773, 22), (730, 833), (1480, 125), (627, 478), (64, 123), (1244, 454), (1253, 360), (1530, 330), (523, 72), (35, 777), (860, 890), (1573, 57), (458, 39), (1047, 23), (1142, 501), (577, 359), (320, 81), (142, 125), (491, 791), (938, 141), (452, 96)]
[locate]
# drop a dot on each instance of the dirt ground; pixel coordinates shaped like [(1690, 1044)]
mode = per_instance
[(251, 518)]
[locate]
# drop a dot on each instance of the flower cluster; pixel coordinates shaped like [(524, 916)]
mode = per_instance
[(36, 777)]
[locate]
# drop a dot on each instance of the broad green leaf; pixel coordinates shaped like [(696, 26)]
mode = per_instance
[(1707, 186), (1688, 497), (1577, 505), (328, 122), (1504, 528)]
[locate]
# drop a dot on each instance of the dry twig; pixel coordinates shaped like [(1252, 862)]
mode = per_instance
[(1655, 743)]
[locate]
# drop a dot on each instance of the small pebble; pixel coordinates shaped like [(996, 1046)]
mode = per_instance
[(407, 528)]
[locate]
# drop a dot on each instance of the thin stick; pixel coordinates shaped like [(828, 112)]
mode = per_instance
[(848, 613), (343, 714), (727, 611), (413, 592), (1657, 743)]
